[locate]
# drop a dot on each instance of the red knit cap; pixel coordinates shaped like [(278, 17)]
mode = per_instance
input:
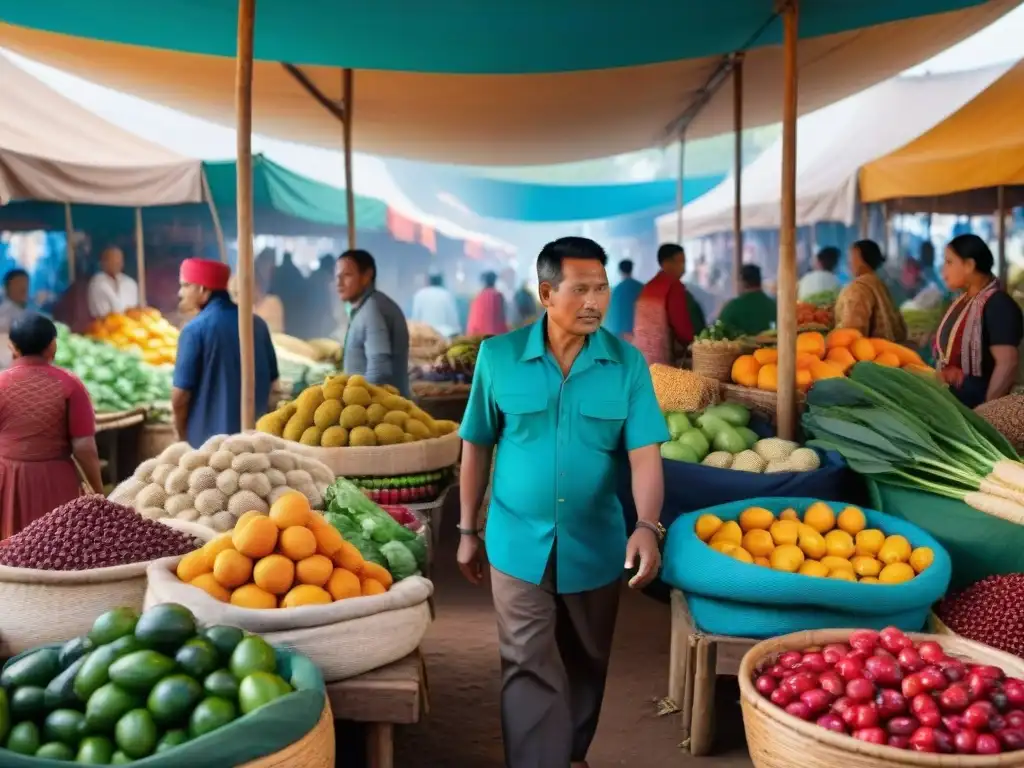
[(213, 275)]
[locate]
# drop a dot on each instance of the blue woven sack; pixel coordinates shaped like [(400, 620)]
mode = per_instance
[(729, 597)]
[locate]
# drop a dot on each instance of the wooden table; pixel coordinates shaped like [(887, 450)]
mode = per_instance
[(386, 697)]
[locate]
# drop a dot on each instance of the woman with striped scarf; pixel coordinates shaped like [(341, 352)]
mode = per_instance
[(977, 342)]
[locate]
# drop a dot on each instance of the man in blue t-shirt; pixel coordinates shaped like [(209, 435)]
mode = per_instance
[(207, 395), (619, 319)]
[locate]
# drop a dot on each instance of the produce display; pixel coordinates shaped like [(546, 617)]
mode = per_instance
[(378, 536), (719, 335), (425, 345), (1006, 414), (908, 430), (141, 330), (289, 558), (456, 363), (683, 391), (817, 543), (315, 350), (826, 299), (116, 380), (91, 532), (406, 489), (811, 313), (218, 483), (819, 357), (305, 363), (134, 686), (719, 437), (886, 689), (349, 411), (990, 611)]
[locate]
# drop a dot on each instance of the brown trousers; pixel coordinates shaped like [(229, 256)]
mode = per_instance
[(554, 661)]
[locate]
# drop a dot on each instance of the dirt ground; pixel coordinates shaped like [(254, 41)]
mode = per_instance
[(463, 727)]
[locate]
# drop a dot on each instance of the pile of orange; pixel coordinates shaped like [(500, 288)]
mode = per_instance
[(288, 558), (142, 330), (823, 357)]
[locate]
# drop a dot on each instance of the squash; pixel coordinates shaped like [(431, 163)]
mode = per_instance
[(841, 357), (863, 350), (842, 337), (745, 370), (768, 377), (766, 355), (811, 342)]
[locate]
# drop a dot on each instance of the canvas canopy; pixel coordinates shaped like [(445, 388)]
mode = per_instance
[(51, 149), (958, 165), (833, 143), (450, 83)]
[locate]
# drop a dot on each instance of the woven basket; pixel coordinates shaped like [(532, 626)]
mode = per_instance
[(715, 361), (155, 439), (314, 750), (779, 740), (760, 401)]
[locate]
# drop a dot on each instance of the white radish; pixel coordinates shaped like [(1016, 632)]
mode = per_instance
[(1009, 473), (996, 506)]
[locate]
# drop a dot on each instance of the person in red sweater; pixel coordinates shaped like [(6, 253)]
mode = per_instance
[(661, 327)]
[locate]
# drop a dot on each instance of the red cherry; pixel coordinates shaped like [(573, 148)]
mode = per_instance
[(988, 744), (860, 690), (850, 668), (765, 684), (931, 652), (871, 735), (965, 741), (832, 723), (865, 640), (910, 660)]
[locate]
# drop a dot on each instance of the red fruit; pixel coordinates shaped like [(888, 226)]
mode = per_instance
[(952, 723), (977, 686), (817, 701), (997, 723), (780, 697), (910, 660), (850, 668), (987, 745), (912, 686), (1014, 690), (834, 652), (865, 640), (849, 715), (943, 742), (814, 662), (988, 671), (831, 682), (923, 740), (842, 705), (931, 652), (899, 742), (883, 670), (922, 703), (930, 718), (965, 742), (932, 679), (799, 709), (860, 690), (893, 640), (903, 726), (765, 684), (871, 735), (861, 655), (865, 716), (1012, 739), (790, 659), (832, 723), (953, 669), (1014, 719), (778, 671), (890, 703), (977, 715), (999, 701), (954, 699), (800, 682)]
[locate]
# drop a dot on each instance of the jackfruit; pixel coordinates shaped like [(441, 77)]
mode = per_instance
[(375, 414), (327, 414), (333, 387), (362, 436), (352, 416), (356, 396), (334, 437), (395, 417), (294, 428), (311, 436), (417, 429), (388, 434), (310, 399), (396, 403), (272, 424)]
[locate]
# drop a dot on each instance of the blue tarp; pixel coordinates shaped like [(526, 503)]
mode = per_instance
[(445, 192)]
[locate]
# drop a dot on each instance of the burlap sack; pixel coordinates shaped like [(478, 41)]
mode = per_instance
[(39, 607), (344, 639)]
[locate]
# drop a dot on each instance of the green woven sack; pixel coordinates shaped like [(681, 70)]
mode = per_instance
[(979, 545)]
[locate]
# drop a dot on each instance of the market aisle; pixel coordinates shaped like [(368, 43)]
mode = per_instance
[(463, 727)]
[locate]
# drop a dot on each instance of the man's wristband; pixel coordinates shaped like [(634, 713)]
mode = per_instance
[(469, 531), (656, 528)]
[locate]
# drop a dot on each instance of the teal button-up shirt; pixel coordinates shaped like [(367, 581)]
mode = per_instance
[(559, 441)]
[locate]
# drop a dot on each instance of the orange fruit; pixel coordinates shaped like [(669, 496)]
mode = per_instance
[(297, 542), (208, 583), (290, 510), (232, 569), (315, 570), (257, 538), (275, 574)]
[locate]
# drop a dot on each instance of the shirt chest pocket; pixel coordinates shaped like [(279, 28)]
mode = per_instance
[(525, 416), (601, 423)]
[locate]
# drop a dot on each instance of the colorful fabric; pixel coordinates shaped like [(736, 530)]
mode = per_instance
[(42, 409), (209, 367), (867, 306), (487, 314), (622, 307), (661, 324), (963, 329), (567, 434), (206, 273)]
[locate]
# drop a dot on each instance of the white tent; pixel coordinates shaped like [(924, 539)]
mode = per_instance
[(52, 149), (833, 143)]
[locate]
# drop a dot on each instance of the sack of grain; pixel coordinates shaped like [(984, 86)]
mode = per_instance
[(344, 639), (679, 390), (1006, 414)]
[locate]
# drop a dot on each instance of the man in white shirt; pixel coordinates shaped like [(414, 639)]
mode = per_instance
[(435, 306), (823, 278), (110, 290)]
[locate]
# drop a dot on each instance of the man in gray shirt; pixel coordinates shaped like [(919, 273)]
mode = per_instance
[(377, 340)]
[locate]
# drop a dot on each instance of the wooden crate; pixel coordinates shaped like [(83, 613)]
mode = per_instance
[(696, 661)]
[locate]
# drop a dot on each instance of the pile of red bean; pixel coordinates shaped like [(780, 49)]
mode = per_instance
[(92, 532), (990, 611)]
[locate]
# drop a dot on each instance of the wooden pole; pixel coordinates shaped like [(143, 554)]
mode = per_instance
[(243, 114), (737, 211), (350, 193), (1004, 267), (140, 256), (680, 191), (69, 236), (786, 322), (222, 248)]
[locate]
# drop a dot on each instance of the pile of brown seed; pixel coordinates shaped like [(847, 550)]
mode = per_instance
[(92, 532)]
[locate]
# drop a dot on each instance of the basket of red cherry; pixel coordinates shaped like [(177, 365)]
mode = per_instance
[(843, 698)]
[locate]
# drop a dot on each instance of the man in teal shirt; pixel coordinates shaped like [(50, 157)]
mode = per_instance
[(564, 402)]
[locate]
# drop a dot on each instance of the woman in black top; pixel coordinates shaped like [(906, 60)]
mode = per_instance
[(977, 342)]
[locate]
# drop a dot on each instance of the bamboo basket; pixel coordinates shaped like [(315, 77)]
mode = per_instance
[(314, 750), (760, 401), (779, 740), (155, 439), (714, 360)]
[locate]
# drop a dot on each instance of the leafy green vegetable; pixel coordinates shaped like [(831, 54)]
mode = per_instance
[(401, 562)]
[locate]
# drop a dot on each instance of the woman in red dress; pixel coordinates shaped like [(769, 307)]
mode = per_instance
[(45, 419)]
